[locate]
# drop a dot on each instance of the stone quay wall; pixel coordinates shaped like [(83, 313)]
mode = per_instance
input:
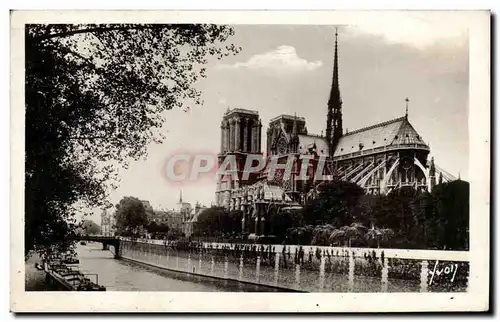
[(310, 268)]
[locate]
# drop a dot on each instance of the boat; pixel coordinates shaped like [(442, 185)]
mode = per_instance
[(64, 268), (83, 243), (70, 259), (71, 278)]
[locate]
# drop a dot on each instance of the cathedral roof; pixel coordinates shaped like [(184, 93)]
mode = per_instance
[(393, 133), (309, 141)]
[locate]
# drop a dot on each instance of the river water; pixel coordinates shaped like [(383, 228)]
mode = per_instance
[(124, 275)]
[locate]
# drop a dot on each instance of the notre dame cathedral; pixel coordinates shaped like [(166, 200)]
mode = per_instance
[(379, 158)]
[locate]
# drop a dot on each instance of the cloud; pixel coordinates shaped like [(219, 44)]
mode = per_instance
[(419, 29), (282, 59)]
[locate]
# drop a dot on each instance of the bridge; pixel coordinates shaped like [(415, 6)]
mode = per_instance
[(105, 240)]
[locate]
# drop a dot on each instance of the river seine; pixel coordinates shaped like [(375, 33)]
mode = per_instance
[(125, 275)]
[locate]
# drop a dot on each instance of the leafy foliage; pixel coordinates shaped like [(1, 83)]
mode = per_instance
[(301, 235), (232, 225), (130, 216), (216, 221), (451, 221), (395, 211), (95, 99), (158, 231), (90, 227), (426, 220), (347, 234), (281, 222), (174, 234), (336, 204), (404, 218), (321, 235), (210, 221), (378, 235)]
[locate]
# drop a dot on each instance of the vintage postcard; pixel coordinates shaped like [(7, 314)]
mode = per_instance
[(182, 161)]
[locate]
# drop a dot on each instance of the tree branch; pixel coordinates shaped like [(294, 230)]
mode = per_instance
[(98, 30)]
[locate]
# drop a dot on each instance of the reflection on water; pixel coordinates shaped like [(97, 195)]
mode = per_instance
[(124, 275)]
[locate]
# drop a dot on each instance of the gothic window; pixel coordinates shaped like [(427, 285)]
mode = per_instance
[(406, 163), (281, 146)]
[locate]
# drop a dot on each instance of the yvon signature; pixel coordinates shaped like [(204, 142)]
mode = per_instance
[(449, 270)]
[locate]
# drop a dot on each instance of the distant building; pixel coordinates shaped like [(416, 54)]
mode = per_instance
[(112, 224), (174, 220), (104, 222), (158, 216), (108, 222), (183, 208), (190, 223), (148, 208)]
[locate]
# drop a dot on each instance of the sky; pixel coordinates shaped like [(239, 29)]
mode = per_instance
[(287, 69)]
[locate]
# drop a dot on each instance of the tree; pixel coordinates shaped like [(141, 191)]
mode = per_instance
[(174, 234), (95, 99), (321, 235), (364, 210), (280, 222), (337, 235), (130, 216), (336, 204), (87, 227), (301, 235), (425, 230), (152, 228), (355, 231), (158, 231), (163, 229), (379, 234), (451, 202), (90, 227), (211, 221), (396, 211), (426, 220), (232, 223)]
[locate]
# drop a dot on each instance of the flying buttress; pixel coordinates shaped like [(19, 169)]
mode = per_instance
[(363, 180)]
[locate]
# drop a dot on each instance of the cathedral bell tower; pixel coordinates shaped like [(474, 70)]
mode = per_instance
[(240, 136)]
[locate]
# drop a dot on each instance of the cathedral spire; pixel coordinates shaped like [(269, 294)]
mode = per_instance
[(432, 175), (295, 135), (334, 115), (407, 100), (180, 197), (432, 170), (294, 130)]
